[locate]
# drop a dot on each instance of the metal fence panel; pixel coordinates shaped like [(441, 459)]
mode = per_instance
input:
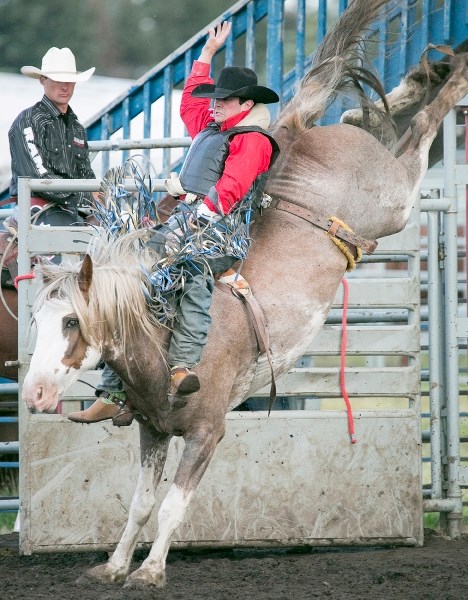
[(285, 468), (284, 480)]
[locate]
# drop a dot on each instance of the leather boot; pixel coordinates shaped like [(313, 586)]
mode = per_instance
[(183, 381), (121, 415)]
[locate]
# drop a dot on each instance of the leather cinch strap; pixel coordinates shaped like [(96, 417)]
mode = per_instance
[(257, 319), (328, 225)]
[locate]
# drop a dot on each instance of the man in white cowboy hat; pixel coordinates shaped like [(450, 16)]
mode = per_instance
[(48, 142), (230, 151)]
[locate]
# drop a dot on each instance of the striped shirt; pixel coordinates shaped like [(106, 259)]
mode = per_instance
[(46, 144)]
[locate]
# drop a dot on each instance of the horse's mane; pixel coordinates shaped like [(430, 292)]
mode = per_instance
[(115, 308), (338, 68)]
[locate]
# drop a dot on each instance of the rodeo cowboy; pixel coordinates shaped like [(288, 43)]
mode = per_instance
[(48, 142), (231, 149)]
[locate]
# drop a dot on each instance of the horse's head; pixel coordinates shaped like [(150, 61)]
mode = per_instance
[(62, 350)]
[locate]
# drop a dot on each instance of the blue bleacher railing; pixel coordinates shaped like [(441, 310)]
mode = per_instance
[(260, 28), (404, 32)]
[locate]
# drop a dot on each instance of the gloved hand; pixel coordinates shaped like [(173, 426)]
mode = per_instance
[(206, 215), (177, 229), (173, 242), (173, 186)]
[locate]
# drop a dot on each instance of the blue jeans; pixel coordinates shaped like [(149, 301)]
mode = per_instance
[(192, 322), (189, 334), (110, 382)]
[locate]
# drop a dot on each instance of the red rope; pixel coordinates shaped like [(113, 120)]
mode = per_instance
[(344, 338), (19, 278)]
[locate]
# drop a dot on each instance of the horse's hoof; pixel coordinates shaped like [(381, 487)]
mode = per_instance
[(103, 574), (140, 579)]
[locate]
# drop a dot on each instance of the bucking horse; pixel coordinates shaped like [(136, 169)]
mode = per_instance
[(335, 182)]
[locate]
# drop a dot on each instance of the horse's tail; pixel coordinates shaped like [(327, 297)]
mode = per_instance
[(337, 66)]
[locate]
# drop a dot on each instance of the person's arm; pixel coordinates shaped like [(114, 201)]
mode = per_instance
[(195, 112), (216, 39), (28, 160), (249, 157), (86, 199), (86, 171)]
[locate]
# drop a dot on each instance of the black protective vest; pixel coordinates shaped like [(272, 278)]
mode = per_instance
[(204, 163)]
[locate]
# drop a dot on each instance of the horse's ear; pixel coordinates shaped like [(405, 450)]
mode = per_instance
[(45, 273), (85, 276)]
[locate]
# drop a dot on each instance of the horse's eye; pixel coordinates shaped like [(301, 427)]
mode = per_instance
[(71, 323)]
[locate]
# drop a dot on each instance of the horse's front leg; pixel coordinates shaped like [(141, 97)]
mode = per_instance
[(199, 448), (153, 448)]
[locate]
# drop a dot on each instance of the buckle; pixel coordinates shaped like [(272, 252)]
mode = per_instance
[(333, 228), (240, 292), (110, 396)]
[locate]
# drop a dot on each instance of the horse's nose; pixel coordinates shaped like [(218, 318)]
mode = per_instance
[(42, 400), (34, 399), (39, 394)]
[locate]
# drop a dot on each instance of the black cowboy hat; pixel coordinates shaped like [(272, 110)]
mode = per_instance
[(236, 82)]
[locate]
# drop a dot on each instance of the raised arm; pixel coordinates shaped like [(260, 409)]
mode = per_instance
[(216, 38)]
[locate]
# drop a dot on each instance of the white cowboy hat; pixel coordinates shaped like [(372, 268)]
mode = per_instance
[(58, 64)]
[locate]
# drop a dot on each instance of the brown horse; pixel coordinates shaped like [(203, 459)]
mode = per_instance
[(8, 308), (9, 336), (97, 309), (9, 341)]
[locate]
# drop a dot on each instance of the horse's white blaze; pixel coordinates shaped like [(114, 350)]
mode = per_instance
[(48, 376)]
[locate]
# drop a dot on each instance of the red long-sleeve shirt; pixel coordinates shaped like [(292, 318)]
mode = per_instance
[(249, 153)]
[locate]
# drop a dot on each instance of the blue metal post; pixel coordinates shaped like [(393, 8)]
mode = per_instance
[(230, 49), (300, 39), (250, 38), (448, 20), (403, 39), (105, 135), (147, 115), (125, 126), (167, 117), (322, 21), (275, 49)]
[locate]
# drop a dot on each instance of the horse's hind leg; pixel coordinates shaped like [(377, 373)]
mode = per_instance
[(153, 448), (404, 97), (199, 448), (427, 121), (408, 93)]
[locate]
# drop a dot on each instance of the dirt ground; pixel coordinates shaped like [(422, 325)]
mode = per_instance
[(439, 570)]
